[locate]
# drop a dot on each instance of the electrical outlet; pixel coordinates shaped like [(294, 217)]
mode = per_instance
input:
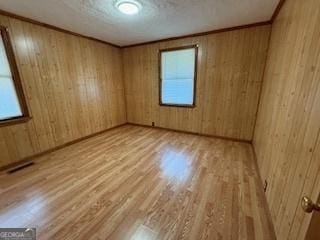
[(265, 185)]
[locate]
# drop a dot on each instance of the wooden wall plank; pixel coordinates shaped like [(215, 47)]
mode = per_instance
[(73, 88), (230, 70), (287, 133)]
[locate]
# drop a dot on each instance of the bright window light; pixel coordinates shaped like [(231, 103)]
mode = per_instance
[(128, 7), (9, 103), (178, 74)]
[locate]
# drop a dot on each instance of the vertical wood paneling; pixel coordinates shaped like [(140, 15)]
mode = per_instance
[(287, 133), (230, 68), (73, 88)]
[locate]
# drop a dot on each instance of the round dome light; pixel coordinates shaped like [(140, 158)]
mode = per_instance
[(128, 7)]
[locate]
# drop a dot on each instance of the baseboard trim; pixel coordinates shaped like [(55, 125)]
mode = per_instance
[(265, 202), (31, 158), (194, 133)]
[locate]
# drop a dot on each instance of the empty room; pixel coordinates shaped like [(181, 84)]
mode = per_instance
[(151, 120)]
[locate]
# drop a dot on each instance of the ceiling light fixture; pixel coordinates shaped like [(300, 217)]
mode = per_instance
[(129, 7)]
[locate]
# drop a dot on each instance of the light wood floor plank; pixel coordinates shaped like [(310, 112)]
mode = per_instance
[(140, 183)]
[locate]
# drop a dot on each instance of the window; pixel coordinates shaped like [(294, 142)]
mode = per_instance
[(12, 103), (178, 73)]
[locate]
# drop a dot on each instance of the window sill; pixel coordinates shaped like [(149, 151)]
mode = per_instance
[(14, 121), (177, 105)]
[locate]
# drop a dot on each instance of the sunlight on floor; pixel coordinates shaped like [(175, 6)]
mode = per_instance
[(175, 165)]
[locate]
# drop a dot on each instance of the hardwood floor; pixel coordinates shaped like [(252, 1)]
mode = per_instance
[(139, 183)]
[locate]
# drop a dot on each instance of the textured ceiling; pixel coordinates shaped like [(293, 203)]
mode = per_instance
[(158, 19)]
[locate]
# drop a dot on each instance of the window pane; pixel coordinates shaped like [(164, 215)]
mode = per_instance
[(177, 91), (177, 75), (4, 64), (9, 104)]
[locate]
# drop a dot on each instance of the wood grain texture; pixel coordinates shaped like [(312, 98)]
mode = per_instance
[(29, 159), (25, 19), (187, 132), (73, 88), (140, 183), (287, 134), (230, 69)]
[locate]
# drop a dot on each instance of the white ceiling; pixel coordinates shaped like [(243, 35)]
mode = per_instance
[(158, 19)]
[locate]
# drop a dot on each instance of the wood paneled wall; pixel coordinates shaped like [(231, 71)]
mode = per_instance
[(286, 139), (230, 70), (73, 88)]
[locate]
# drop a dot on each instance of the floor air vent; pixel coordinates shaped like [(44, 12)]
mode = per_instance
[(20, 167)]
